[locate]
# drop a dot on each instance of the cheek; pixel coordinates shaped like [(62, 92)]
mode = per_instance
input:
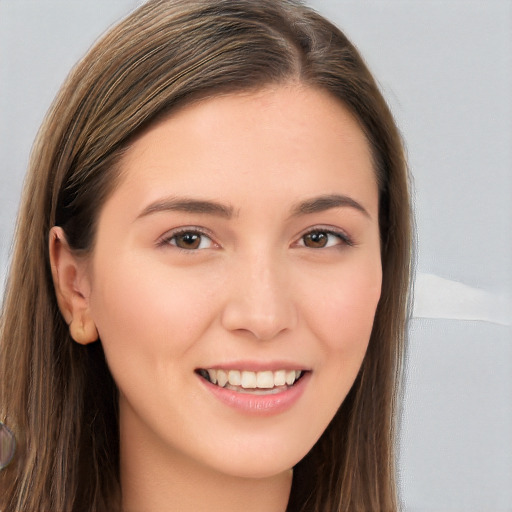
[(145, 311), (341, 317), (343, 314)]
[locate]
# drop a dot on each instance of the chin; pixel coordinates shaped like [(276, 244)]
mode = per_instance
[(259, 463)]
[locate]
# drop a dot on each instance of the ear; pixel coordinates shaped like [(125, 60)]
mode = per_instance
[(72, 288)]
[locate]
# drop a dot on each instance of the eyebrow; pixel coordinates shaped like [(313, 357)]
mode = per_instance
[(326, 202), (206, 207), (188, 206)]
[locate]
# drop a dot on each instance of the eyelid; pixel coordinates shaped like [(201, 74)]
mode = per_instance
[(344, 237), (165, 239)]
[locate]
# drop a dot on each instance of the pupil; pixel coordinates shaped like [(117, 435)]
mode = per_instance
[(189, 240), (317, 239)]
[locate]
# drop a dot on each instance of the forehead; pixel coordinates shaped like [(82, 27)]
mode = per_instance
[(292, 135)]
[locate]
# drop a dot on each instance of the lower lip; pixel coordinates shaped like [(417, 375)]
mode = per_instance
[(259, 404)]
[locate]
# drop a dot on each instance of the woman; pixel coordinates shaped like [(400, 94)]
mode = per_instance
[(206, 304)]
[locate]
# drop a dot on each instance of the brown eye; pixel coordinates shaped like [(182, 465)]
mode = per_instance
[(190, 240), (316, 239), (320, 239)]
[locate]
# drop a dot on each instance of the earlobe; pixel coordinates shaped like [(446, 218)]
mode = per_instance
[(83, 331), (71, 288)]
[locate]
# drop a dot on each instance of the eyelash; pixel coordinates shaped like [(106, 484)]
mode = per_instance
[(195, 231), (340, 235), (168, 238)]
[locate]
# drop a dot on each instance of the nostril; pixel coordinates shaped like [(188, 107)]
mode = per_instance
[(260, 326), (260, 302)]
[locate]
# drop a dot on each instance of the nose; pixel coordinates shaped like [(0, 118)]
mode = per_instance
[(260, 299)]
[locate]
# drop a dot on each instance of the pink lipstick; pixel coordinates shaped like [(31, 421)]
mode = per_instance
[(264, 392)]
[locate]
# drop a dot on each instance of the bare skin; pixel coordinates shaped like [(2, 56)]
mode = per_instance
[(242, 241)]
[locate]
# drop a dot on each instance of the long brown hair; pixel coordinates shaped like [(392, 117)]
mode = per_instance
[(59, 397)]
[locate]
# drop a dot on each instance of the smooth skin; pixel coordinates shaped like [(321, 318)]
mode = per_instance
[(244, 231)]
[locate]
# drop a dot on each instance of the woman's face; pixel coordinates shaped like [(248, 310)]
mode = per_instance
[(242, 244)]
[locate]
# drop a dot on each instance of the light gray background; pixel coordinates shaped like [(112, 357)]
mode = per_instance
[(445, 68)]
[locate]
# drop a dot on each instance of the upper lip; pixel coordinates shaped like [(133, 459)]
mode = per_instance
[(256, 366)]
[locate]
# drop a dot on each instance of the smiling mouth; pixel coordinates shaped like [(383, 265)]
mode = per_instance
[(258, 383)]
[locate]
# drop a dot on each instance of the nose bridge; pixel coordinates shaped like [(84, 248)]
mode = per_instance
[(259, 301)]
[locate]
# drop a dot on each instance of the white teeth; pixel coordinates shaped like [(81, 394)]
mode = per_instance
[(222, 378), (213, 375), (253, 380), (280, 378), (248, 380), (234, 377), (290, 377), (265, 380)]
